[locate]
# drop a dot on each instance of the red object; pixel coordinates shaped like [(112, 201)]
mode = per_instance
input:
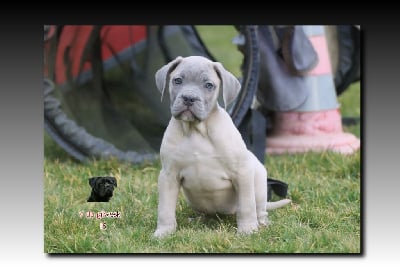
[(73, 39)]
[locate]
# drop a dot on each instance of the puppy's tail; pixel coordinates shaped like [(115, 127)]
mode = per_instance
[(277, 204)]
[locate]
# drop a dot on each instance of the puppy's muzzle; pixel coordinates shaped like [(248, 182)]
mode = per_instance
[(189, 100), (109, 188), (188, 106)]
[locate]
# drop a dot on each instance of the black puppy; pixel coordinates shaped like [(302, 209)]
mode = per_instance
[(102, 188)]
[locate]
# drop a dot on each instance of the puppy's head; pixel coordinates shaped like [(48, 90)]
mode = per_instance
[(103, 186), (194, 83)]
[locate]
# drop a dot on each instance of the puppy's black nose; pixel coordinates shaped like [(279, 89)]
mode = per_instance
[(188, 100)]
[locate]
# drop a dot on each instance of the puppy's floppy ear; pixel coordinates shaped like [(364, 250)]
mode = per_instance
[(92, 181), (114, 181), (162, 75), (230, 85)]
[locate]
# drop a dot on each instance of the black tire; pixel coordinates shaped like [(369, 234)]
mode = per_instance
[(76, 141), (250, 71)]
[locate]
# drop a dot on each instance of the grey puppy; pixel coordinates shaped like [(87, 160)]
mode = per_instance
[(202, 151), (102, 188)]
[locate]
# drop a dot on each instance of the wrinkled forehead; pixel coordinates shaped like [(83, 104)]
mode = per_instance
[(100, 180), (103, 179), (195, 70)]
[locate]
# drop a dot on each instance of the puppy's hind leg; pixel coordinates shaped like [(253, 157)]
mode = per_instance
[(260, 187)]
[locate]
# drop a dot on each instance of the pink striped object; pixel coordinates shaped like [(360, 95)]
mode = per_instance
[(316, 125)]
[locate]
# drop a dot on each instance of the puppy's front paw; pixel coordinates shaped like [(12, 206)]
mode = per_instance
[(164, 230), (247, 228)]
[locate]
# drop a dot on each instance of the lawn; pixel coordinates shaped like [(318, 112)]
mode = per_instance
[(324, 217)]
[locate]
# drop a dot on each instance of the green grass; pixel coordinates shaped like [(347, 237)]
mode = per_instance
[(218, 40), (323, 218)]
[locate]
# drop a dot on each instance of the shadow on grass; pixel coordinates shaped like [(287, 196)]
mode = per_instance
[(53, 152)]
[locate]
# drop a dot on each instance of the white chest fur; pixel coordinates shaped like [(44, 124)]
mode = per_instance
[(203, 169)]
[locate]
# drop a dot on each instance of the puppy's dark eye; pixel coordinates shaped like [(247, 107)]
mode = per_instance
[(209, 86), (177, 81)]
